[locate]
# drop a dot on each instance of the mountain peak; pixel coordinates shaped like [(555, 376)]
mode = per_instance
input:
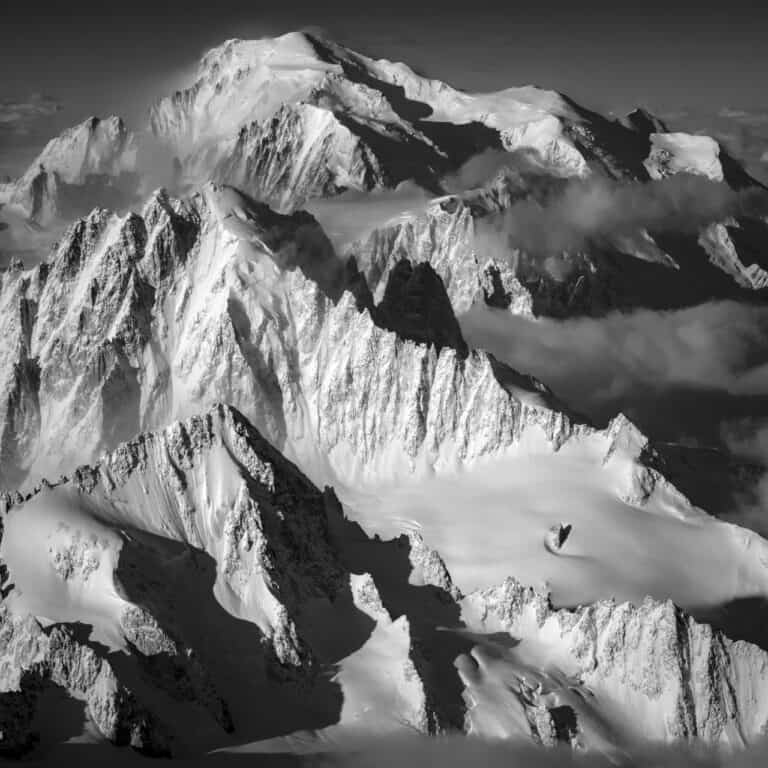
[(645, 122)]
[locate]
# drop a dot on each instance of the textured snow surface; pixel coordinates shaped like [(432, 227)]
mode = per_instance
[(684, 153), (339, 651)]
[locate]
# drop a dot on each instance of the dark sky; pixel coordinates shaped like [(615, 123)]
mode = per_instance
[(98, 58)]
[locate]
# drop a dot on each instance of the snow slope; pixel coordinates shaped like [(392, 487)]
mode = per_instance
[(194, 573)]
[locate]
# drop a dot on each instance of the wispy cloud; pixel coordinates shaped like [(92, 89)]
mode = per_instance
[(598, 208), (636, 362), (17, 116), (745, 117)]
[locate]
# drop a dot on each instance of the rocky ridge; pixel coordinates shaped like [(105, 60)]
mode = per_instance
[(144, 317)]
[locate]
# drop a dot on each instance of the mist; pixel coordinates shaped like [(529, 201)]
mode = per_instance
[(679, 374), (354, 214), (747, 439), (600, 209)]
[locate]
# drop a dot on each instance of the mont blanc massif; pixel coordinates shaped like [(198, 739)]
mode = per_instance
[(265, 492)]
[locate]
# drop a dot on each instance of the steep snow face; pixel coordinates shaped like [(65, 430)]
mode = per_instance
[(405, 126), (613, 671), (210, 482), (525, 118), (300, 153), (684, 153), (275, 118), (94, 148), (239, 82)]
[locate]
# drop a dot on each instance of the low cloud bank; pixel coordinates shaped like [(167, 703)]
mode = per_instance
[(353, 214), (481, 168), (747, 439), (696, 376), (697, 357), (598, 209)]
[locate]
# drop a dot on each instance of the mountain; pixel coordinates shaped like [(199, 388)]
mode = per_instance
[(138, 320), (296, 118), (460, 237), (83, 161), (178, 382), (267, 561)]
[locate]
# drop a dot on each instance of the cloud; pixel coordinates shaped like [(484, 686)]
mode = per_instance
[(481, 168), (18, 116), (678, 373), (747, 439), (353, 214), (694, 377), (744, 117), (597, 208)]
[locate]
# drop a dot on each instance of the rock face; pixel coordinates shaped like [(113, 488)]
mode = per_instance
[(680, 679), (444, 237), (330, 158), (138, 319), (32, 657)]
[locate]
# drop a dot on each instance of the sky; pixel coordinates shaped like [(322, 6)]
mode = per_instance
[(69, 60)]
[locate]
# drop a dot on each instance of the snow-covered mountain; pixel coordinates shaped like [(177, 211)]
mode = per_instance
[(297, 117), (268, 562), (84, 160), (189, 374), (459, 237)]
